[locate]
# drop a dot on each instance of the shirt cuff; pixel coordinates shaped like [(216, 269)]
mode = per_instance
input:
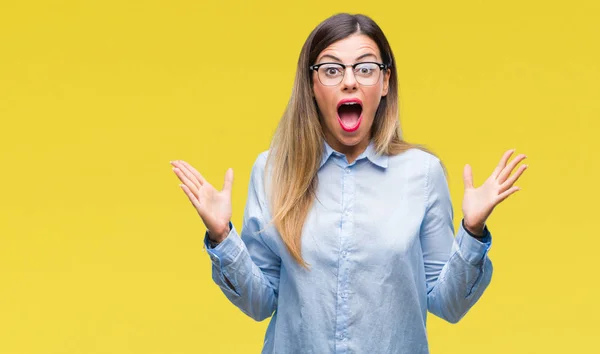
[(227, 251), (473, 249), (211, 243)]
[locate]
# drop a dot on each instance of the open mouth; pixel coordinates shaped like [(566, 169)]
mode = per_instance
[(349, 113)]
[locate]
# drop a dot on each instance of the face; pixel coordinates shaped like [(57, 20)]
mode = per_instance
[(348, 108)]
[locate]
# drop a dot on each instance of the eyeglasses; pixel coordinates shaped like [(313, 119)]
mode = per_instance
[(365, 73)]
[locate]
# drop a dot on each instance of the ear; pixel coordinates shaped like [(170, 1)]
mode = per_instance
[(386, 83)]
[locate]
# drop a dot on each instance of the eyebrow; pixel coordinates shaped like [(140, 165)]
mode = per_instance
[(338, 59)]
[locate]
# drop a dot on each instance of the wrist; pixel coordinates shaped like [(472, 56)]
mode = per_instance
[(476, 231), (218, 236)]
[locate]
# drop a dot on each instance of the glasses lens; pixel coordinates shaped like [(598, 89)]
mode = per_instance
[(331, 74), (367, 73)]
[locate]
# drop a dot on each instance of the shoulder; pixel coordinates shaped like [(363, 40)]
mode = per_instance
[(261, 160), (258, 167), (419, 165), (415, 159)]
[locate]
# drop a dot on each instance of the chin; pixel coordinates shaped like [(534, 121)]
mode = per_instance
[(351, 140), (348, 139)]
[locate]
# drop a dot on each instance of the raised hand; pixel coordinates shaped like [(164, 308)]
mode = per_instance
[(478, 203), (213, 206)]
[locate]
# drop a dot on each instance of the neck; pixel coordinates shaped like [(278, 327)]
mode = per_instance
[(351, 152)]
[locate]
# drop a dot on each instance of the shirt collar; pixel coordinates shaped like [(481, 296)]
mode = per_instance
[(370, 153), (380, 160), (326, 153)]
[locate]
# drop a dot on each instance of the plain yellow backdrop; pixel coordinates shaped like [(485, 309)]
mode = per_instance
[(100, 252)]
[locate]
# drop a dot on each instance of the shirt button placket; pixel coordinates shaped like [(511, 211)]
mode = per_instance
[(347, 229)]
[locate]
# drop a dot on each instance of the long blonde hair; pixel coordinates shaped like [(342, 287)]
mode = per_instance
[(297, 146)]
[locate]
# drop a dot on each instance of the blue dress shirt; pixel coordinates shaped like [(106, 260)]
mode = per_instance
[(379, 241)]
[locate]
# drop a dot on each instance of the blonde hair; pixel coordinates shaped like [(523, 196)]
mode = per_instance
[(297, 146)]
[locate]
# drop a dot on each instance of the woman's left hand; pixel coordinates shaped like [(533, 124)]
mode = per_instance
[(479, 202)]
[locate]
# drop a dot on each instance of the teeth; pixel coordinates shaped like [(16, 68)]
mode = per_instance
[(349, 103)]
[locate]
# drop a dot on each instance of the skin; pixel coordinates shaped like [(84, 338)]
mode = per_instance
[(351, 50), (214, 206)]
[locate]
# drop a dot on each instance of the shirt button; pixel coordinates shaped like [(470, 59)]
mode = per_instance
[(347, 170), (344, 254)]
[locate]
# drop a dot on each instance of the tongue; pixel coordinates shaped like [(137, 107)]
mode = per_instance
[(349, 119), (349, 115)]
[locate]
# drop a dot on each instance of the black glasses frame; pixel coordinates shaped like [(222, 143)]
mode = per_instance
[(381, 66), (316, 67)]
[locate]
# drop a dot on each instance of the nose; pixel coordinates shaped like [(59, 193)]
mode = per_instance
[(349, 82)]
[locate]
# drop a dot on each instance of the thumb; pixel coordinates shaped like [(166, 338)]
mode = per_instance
[(227, 185), (468, 176)]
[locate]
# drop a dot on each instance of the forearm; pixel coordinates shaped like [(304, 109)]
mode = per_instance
[(240, 279), (462, 280)]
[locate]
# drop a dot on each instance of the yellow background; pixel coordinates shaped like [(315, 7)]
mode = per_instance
[(100, 251)]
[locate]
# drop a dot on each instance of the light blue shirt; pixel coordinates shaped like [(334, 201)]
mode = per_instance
[(379, 241)]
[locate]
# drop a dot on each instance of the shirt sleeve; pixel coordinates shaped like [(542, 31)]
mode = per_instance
[(457, 270), (246, 268)]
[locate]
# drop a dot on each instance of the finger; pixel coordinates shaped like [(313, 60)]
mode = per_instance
[(502, 163), (191, 197), (509, 182), (505, 194), (182, 177), (194, 172), (468, 176), (228, 184), (511, 166), (190, 176)]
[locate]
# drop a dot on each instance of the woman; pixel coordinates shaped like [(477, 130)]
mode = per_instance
[(347, 238)]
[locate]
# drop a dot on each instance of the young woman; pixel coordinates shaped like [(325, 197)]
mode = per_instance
[(347, 238)]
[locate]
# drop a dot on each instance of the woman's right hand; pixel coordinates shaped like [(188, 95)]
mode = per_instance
[(214, 207)]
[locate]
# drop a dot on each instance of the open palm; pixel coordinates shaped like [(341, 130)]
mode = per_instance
[(478, 203), (213, 206)]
